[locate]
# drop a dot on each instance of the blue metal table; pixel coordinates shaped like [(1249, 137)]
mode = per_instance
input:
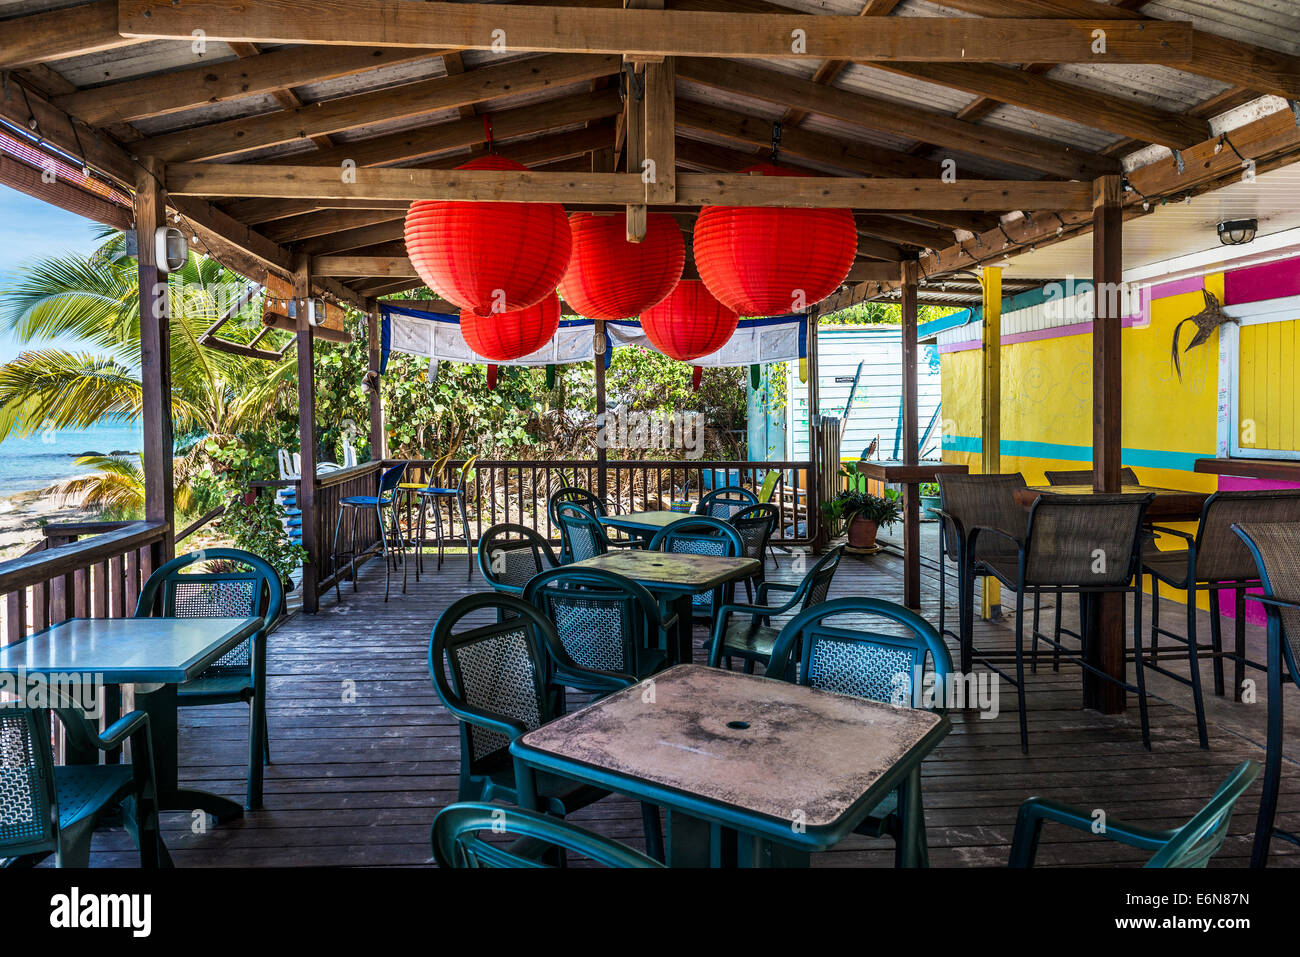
[(153, 654), (788, 769)]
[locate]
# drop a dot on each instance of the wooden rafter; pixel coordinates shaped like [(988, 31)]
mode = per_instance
[(142, 97), (870, 112), (236, 136)]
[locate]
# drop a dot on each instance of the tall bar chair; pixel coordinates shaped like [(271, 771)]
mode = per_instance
[(411, 500), (1215, 559), (435, 497), (1084, 544), (1275, 548), (964, 502), (383, 501)]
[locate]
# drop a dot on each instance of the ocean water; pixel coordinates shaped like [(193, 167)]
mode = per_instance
[(44, 458)]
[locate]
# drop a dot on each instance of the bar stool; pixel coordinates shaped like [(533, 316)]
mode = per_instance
[(1215, 560), (384, 500), (410, 493), (436, 498)]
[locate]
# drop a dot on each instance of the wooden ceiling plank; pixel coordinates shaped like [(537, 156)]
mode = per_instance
[(648, 33)]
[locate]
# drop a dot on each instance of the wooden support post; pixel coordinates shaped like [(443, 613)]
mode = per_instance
[(1106, 619), (812, 516), (598, 357), (641, 74), (991, 407), (378, 435), (311, 570), (155, 358), (911, 432)]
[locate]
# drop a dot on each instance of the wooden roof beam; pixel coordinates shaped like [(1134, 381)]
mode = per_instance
[(60, 34), (308, 182), (646, 34)]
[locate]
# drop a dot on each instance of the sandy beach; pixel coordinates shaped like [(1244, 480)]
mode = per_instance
[(23, 514)]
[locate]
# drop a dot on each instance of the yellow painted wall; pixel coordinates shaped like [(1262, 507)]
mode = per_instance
[(1047, 401)]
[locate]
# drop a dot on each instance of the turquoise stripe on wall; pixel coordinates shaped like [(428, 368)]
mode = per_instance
[(1138, 458)]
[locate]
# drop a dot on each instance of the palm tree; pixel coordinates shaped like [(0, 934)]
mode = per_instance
[(95, 299)]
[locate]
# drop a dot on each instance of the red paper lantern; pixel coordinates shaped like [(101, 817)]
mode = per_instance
[(611, 278), (690, 323), (510, 335), (767, 261), (486, 256)]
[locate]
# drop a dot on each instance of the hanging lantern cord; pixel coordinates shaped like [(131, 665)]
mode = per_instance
[(776, 141), (487, 130)]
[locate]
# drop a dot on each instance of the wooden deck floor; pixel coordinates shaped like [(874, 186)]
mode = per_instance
[(357, 782)]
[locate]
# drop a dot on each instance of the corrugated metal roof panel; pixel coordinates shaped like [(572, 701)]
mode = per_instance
[(902, 89), (140, 59), (1159, 86), (1050, 128), (1267, 23)]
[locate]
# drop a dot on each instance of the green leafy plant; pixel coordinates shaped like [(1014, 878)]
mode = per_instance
[(850, 504), (929, 488), (254, 523)]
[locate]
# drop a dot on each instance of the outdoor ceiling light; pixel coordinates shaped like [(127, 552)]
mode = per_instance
[(1238, 232)]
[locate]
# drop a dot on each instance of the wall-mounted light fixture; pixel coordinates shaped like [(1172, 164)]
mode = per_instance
[(1238, 232)]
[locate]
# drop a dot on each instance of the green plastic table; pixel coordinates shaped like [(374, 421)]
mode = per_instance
[(154, 655), (787, 769), (674, 577)]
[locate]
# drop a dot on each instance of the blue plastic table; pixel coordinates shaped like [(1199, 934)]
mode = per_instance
[(155, 655), (788, 769)]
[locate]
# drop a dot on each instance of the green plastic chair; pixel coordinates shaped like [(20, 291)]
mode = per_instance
[(581, 534), (853, 658), (701, 535), (510, 555), (769, 486), (504, 678), (240, 674), (1191, 845), (752, 641), (605, 624), (48, 810), (456, 841)]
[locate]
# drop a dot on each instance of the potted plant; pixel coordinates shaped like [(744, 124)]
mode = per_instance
[(929, 499), (865, 514)]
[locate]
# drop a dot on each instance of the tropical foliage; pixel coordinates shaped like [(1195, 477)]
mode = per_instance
[(94, 301)]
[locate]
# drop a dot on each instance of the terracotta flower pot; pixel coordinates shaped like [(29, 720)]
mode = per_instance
[(862, 532)]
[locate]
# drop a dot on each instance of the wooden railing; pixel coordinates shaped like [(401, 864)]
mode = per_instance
[(88, 569), (517, 491)]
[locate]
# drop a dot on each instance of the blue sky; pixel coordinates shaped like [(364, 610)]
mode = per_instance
[(32, 230)]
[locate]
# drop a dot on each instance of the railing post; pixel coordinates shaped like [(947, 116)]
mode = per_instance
[(155, 355), (378, 434), (598, 356), (311, 571)]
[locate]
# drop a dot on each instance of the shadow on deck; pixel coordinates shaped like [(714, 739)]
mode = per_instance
[(365, 755)]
